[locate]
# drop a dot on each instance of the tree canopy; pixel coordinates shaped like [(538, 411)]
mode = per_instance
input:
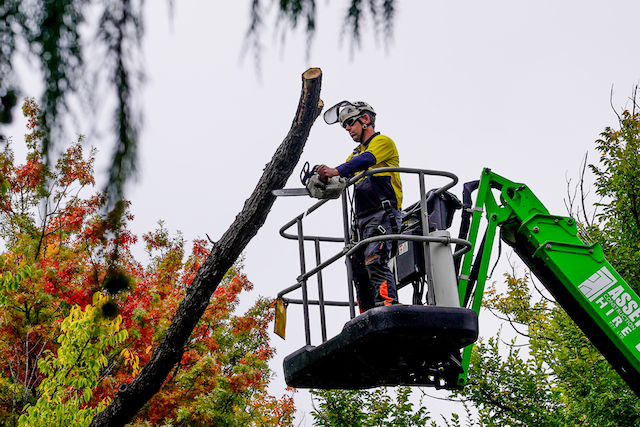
[(77, 324)]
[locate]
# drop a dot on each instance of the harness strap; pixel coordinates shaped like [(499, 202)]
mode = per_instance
[(386, 205)]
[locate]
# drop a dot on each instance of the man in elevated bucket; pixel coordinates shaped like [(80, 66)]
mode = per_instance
[(378, 200)]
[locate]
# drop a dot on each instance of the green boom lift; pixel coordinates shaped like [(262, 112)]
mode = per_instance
[(429, 342)]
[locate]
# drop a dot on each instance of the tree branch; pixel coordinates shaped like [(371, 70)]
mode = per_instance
[(130, 399)]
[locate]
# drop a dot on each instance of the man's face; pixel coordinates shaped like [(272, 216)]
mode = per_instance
[(354, 127)]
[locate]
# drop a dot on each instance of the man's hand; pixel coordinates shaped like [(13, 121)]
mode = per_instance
[(325, 172)]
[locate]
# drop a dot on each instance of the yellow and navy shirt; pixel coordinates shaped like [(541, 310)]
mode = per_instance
[(377, 152)]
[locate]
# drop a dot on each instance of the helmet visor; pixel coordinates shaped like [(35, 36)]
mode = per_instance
[(332, 115)]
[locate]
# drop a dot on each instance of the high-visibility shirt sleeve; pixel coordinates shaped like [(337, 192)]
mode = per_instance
[(357, 163)]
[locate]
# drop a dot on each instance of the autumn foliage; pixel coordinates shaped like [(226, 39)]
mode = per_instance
[(64, 259)]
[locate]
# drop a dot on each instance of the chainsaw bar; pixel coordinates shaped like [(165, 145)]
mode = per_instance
[(291, 192)]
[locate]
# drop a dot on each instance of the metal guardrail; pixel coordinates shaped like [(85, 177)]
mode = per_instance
[(350, 248)]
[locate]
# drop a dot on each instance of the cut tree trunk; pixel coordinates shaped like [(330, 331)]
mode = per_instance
[(131, 397)]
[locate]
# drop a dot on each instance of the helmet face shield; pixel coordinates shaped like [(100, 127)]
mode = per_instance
[(345, 110), (332, 115)]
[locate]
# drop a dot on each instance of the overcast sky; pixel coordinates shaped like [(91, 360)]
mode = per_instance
[(521, 87)]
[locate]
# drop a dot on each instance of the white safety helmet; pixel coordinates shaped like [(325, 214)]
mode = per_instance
[(345, 110)]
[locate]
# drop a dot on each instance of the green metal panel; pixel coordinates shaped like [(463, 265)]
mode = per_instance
[(584, 282), (594, 284)]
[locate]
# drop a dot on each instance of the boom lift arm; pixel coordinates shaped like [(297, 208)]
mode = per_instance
[(577, 274)]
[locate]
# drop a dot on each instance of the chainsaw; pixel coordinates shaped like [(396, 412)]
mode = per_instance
[(314, 186)]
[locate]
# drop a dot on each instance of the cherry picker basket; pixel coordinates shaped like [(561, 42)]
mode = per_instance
[(412, 344)]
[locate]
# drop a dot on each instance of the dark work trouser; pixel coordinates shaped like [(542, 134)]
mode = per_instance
[(374, 280)]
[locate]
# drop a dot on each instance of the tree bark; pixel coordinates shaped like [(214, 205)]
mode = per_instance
[(130, 398)]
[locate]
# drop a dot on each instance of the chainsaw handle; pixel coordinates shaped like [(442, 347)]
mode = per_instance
[(305, 174)]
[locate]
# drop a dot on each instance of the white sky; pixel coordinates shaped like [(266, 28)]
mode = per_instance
[(521, 87)]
